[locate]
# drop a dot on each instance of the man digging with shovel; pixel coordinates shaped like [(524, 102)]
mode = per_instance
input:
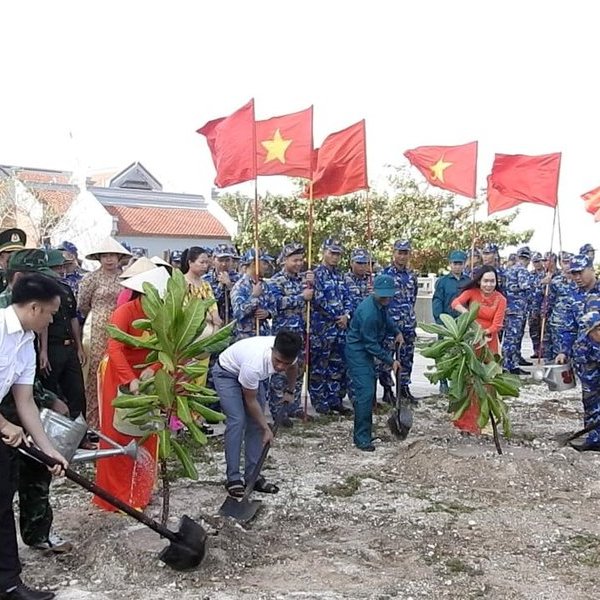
[(240, 377), (369, 327)]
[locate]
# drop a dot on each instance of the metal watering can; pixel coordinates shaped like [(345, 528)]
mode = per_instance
[(66, 436), (558, 377)]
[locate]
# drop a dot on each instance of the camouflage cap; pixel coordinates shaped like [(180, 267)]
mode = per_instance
[(579, 263), (586, 248), (536, 257), (402, 245), (291, 249), (30, 261), (250, 256), (564, 255), (12, 239), (175, 255), (360, 256), (490, 248), (224, 251), (524, 252), (590, 321), (333, 245), (550, 256)]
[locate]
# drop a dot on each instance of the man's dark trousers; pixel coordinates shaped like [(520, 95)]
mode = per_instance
[(66, 379)]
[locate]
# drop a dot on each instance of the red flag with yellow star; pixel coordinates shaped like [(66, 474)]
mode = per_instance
[(231, 144), (284, 145), (341, 163), (592, 202), (523, 178), (452, 168)]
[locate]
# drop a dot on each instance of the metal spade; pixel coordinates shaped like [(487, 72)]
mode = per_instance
[(400, 420), (187, 545)]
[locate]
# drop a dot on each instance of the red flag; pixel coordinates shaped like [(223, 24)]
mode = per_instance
[(592, 202), (231, 144), (341, 163), (496, 201), (284, 145), (524, 179), (452, 168)]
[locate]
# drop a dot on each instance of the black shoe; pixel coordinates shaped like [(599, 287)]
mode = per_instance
[(524, 363), (22, 592), (342, 410), (369, 448), (287, 423), (323, 410), (406, 393), (585, 446), (517, 371), (388, 395)]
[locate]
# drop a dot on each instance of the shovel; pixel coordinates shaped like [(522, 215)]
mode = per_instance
[(244, 510), (401, 419), (187, 545), (564, 438)]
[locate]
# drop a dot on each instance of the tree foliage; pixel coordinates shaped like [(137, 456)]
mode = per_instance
[(434, 221)]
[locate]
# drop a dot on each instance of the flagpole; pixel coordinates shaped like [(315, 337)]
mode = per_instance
[(308, 304), (369, 235), (473, 235), (256, 255)]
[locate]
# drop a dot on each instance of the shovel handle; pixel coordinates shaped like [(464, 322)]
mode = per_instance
[(101, 493)]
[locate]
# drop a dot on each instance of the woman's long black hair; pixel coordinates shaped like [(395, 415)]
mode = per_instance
[(189, 255), (479, 273)]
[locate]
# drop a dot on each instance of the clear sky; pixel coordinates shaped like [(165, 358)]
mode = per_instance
[(134, 80)]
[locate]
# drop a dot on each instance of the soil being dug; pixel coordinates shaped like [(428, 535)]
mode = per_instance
[(440, 515)]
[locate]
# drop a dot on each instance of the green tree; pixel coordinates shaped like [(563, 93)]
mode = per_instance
[(435, 222)]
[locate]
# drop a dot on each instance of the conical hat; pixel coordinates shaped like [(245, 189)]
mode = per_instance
[(139, 266), (108, 246), (158, 277), (157, 260)]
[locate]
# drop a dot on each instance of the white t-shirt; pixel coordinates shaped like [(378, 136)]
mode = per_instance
[(17, 354), (250, 360)]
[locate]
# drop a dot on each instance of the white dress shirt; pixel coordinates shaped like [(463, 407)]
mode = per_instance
[(17, 354), (249, 359)]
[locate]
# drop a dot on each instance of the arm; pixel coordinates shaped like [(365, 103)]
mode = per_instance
[(459, 304), (76, 329), (43, 349), (498, 320), (368, 325), (87, 286), (255, 411), (325, 299), (122, 318), (242, 302), (437, 302)]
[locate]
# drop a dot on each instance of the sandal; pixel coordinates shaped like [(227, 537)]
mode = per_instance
[(265, 487), (235, 489)]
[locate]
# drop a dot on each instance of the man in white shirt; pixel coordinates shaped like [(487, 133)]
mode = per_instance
[(240, 377), (35, 299)]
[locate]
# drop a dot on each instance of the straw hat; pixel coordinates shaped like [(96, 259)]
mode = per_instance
[(159, 262), (158, 277), (108, 246), (141, 265)]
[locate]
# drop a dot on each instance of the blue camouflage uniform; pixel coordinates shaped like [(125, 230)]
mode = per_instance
[(535, 305), (402, 312), (586, 362), (560, 297), (220, 292), (331, 300), (358, 287), (244, 304), (517, 291), (369, 327), (288, 309)]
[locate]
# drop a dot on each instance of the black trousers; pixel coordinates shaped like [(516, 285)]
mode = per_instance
[(10, 567), (66, 379)]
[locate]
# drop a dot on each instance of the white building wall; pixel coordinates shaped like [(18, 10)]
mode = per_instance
[(156, 246)]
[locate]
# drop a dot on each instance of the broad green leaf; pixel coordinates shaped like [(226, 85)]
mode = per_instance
[(134, 401), (210, 344), (163, 329), (166, 361), (207, 413), (194, 316), (434, 328), (197, 433), (151, 302), (183, 410), (143, 324), (131, 340), (164, 388), (189, 468), (195, 370), (450, 324), (164, 443)]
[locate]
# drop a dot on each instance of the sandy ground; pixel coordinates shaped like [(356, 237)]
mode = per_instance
[(440, 515)]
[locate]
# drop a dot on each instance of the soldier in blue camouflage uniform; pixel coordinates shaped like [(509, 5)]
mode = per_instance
[(330, 314), (222, 278), (358, 279), (589, 251), (562, 290), (250, 301), (402, 311), (586, 361), (585, 298), (289, 293), (517, 292), (473, 262), (538, 278)]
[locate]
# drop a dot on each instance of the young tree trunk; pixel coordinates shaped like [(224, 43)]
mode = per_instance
[(166, 492), (495, 430)]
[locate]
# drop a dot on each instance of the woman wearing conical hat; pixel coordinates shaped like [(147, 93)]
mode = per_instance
[(98, 292)]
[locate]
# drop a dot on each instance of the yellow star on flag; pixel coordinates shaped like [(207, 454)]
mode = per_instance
[(276, 148), (437, 170)]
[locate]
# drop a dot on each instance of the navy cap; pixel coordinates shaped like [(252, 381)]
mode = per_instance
[(536, 257), (384, 286), (590, 321), (579, 263), (250, 256), (550, 256), (402, 245), (360, 256), (333, 245), (291, 249), (524, 252), (586, 248), (457, 256), (490, 248), (175, 255), (564, 255), (224, 251)]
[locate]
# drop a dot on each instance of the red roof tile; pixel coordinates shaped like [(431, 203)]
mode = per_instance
[(58, 200), (39, 176), (180, 222)]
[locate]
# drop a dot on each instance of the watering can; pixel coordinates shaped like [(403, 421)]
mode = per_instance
[(558, 377), (66, 435)]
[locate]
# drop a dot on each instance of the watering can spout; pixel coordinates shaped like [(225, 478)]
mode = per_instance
[(130, 450)]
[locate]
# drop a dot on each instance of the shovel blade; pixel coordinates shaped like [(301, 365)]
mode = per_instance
[(400, 422), (241, 510), (190, 548)]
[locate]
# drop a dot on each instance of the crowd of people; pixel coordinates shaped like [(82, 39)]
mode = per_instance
[(345, 329)]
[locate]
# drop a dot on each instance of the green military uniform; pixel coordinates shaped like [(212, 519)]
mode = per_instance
[(35, 512), (10, 241), (65, 377)]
